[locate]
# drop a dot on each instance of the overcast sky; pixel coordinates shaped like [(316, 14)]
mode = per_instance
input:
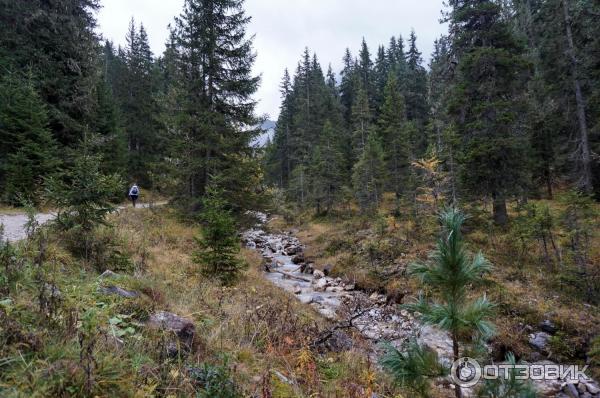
[(284, 27)]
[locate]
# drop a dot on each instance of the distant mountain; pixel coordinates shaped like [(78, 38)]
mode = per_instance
[(268, 128)]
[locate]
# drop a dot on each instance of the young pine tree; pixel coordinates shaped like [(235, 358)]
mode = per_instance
[(368, 175), (218, 243), (449, 276), (83, 196)]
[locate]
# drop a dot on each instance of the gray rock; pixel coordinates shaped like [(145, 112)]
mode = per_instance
[(581, 387), (571, 391), (539, 341), (548, 327), (592, 388), (109, 274), (298, 258), (291, 250), (320, 285), (119, 292), (183, 327), (52, 291), (317, 299)]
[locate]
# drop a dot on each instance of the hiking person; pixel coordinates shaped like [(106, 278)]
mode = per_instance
[(134, 193)]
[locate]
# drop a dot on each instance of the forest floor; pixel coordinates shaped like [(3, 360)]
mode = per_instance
[(373, 253), (254, 336)]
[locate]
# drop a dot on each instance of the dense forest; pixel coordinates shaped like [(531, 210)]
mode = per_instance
[(169, 122), (507, 109), (402, 221)]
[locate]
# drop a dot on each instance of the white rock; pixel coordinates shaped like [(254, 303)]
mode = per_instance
[(318, 274), (592, 389), (320, 285)]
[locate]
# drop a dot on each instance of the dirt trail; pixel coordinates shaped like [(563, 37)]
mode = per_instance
[(14, 224)]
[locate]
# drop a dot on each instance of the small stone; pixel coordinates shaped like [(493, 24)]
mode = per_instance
[(51, 291), (182, 327), (349, 287), (291, 250), (539, 340), (581, 387), (317, 299), (119, 292), (298, 258), (297, 290), (109, 274), (548, 327)]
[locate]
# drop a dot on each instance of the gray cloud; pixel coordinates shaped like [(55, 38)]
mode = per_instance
[(284, 28)]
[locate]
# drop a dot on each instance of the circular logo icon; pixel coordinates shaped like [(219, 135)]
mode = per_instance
[(466, 372)]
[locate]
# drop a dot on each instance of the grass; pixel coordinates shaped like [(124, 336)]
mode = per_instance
[(252, 336)]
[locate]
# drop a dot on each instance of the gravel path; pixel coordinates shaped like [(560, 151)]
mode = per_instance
[(14, 224)]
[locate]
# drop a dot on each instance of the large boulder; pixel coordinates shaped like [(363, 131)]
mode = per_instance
[(182, 327)]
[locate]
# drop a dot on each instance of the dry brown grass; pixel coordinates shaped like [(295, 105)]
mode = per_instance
[(525, 290), (263, 329)]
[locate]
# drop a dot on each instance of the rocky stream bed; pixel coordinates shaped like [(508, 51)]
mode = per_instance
[(372, 315)]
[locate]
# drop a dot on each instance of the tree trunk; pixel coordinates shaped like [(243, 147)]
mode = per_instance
[(455, 352), (500, 212), (584, 157)]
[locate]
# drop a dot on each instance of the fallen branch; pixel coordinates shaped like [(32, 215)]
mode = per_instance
[(291, 276), (347, 324)]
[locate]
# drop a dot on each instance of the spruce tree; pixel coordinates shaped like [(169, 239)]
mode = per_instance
[(218, 243), (361, 121), (488, 103), (417, 107), (369, 174), (211, 110), (348, 85), (83, 196), (396, 143), (28, 152), (326, 168), (57, 40)]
